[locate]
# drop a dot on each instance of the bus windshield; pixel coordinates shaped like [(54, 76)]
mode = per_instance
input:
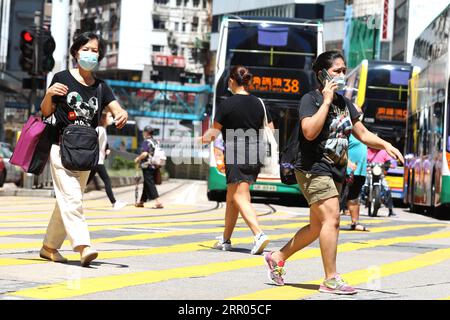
[(278, 55), (385, 109), (388, 82)]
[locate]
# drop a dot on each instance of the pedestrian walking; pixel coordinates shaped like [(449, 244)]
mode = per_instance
[(357, 170), (105, 120), (72, 98), (149, 170), (239, 119), (327, 118)]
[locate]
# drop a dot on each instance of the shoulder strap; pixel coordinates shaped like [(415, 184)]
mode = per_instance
[(266, 121), (99, 101), (373, 157), (316, 97)]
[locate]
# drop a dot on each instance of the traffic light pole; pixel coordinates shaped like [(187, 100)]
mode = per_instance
[(164, 113), (38, 21)]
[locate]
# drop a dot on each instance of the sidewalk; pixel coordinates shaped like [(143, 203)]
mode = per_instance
[(121, 184)]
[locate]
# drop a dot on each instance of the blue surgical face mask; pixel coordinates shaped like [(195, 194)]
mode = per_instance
[(88, 60), (340, 80)]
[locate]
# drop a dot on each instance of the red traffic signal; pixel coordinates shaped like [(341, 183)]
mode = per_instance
[(27, 36), (26, 58)]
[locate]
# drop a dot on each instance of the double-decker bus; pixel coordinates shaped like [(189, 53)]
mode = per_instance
[(279, 53), (427, 173), (380, 89)]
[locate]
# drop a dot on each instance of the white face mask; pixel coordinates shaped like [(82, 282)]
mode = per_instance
[(340, 80)]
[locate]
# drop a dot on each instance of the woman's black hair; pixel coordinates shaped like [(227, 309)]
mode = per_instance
[(325, 60), (241, 75), (84, 38)]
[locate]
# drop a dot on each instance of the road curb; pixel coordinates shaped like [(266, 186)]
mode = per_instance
[(47, 193)]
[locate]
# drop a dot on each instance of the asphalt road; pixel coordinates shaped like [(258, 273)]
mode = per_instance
[(153, 254)]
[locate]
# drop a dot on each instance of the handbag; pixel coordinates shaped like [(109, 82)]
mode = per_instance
[(157, 176), (79, 144), (270, 162), (33, 147), (159, 156)]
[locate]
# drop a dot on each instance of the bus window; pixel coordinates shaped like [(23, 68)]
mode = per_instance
[(392, 83), (270, 46)]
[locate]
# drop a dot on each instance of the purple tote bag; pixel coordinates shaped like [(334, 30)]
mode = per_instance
[(33, 147)]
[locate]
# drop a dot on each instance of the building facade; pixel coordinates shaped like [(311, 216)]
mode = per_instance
[(144, 34)]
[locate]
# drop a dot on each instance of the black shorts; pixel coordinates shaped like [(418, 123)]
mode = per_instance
[(355, 188), (236, 173)]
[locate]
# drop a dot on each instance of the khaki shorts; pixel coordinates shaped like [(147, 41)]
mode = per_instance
[(316, 188)]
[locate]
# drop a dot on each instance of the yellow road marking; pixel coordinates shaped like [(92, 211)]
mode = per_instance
[(100, 284), (140, 216), (353, 278), (205, 245), (146, 217), (156, 225), (159, 235), (161, 218)]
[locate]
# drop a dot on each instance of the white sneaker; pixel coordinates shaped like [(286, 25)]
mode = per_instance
[(119, 204), (222, 245), (260, 242)]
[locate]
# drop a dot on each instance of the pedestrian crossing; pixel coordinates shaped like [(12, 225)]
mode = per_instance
[(142, 249)]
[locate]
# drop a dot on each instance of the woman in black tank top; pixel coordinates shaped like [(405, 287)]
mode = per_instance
[(239, 119)]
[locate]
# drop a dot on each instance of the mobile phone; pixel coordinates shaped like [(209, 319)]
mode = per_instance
[(323, 75)]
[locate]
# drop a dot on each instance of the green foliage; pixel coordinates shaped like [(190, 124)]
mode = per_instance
[(120, 163)]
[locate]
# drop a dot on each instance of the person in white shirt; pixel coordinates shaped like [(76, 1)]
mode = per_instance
[(105, 121)]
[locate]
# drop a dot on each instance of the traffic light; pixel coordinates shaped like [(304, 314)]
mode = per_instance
[(48, 45), (26, 61)]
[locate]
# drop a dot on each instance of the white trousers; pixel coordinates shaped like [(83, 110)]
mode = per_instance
[(67, 219)]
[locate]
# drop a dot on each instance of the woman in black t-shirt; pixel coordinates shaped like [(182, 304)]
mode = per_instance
[(239, 119), (327, 119), (72, 98)]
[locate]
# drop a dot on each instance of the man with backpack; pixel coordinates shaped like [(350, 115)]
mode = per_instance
[(152, 157)]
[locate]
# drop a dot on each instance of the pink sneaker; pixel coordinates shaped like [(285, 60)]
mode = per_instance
[(336, 285), (276, 270)]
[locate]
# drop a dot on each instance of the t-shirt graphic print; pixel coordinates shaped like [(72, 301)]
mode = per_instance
[(84, 111), (80, 106), (336, 146)]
